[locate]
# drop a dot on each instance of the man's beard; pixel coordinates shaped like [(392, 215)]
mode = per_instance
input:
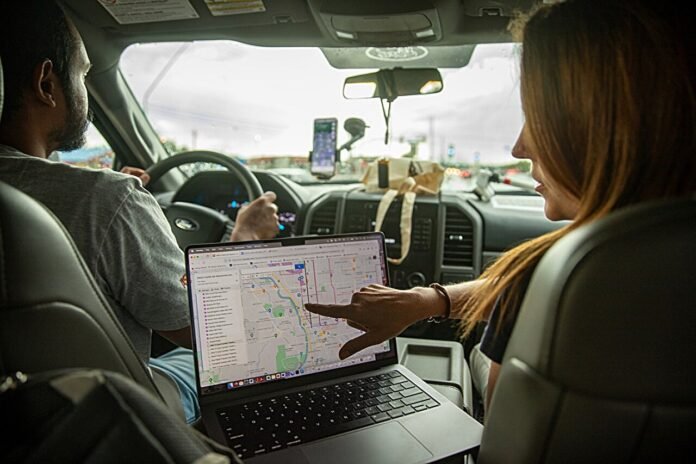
[(73, 135)]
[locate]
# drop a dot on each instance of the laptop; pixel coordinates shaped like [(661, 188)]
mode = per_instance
[(270, 383)]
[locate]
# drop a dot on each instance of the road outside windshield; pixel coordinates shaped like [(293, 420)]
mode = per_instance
[(259, 104)]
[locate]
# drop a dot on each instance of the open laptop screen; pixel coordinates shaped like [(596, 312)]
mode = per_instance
[(247, 303)]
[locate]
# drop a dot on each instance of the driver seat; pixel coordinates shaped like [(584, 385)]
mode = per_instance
[(52, 313)]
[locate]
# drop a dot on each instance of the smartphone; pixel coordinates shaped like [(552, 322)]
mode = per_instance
[(324, 147)]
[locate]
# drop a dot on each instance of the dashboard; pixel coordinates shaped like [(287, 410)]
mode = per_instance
[(454, 235)]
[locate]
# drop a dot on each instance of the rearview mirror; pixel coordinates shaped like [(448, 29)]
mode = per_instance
[(388, 84)]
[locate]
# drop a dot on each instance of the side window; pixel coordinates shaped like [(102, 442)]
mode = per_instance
[(96, 153)]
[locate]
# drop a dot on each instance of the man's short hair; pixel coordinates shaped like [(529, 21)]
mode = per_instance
[(30, 32)]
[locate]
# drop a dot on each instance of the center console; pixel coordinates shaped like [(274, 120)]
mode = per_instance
[(419, 268), (445, 234)]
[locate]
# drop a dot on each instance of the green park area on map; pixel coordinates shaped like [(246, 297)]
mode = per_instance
[(276, 311), (286, 363)]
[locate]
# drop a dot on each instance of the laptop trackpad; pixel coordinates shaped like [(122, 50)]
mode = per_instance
[(388, 443)]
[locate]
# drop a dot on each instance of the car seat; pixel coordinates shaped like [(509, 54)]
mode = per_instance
[(601, 364)]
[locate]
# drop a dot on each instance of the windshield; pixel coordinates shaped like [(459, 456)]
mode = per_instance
[(259, 104)]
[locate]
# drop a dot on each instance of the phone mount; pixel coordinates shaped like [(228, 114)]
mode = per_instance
[(484, 190), (320, 176), (356, 128)]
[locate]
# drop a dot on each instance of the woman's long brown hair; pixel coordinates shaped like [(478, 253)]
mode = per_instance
[(608, 94)]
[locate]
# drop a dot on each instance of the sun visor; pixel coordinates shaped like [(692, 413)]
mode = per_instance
[(380, 22), (449, 56), (188, 19)]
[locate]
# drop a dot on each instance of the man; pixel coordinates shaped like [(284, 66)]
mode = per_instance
[(117, 225)]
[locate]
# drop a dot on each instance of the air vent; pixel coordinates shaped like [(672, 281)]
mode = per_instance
[(324, 219), (459, 239)]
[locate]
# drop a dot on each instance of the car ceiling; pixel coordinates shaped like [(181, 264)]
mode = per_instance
[(316, 23)]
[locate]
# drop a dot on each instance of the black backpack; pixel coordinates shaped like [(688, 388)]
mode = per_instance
[(94, 416)]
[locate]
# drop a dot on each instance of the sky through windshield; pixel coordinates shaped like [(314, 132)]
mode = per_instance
[(255, 101)]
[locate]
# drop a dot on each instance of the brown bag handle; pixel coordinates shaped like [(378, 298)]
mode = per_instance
[(405, 223)]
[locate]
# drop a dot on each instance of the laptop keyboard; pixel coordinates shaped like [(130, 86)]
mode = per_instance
[(271, 424)]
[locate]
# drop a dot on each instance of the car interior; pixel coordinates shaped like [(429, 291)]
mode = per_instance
[(214, 138), (460, 230)]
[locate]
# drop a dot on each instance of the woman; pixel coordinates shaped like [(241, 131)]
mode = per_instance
[(608, 94)]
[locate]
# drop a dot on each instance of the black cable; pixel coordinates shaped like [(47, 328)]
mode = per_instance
[(387, 115)]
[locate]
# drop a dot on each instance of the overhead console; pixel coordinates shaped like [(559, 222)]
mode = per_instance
[(380, 22), (445, 242), (414, 23)]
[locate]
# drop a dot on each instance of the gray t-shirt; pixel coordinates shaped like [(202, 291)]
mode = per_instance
[(122, 234)]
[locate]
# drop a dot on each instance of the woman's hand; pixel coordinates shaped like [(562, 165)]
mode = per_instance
[(382, 313)]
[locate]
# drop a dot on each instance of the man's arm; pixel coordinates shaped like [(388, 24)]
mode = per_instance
[(180, 337), (142, 265)]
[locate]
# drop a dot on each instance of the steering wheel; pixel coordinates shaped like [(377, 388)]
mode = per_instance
[(192, 223)]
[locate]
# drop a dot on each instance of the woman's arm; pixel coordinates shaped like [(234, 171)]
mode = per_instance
[(382, 312)]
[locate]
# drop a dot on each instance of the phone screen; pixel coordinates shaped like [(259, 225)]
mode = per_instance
[(324, 147)]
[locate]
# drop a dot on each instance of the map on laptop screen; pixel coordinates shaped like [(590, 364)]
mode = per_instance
[(248, 302)]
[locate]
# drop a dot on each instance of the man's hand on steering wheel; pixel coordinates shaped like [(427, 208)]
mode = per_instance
[(137, 172), (258, 220), (193, 223)]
